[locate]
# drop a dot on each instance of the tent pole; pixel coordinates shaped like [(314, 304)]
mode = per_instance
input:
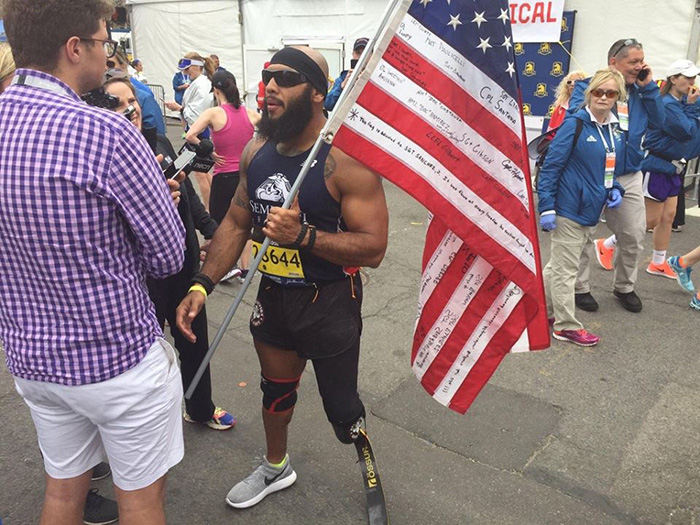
[(694, 42)]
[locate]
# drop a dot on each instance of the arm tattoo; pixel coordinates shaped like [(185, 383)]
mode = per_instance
[(239, 198), (329, 168)]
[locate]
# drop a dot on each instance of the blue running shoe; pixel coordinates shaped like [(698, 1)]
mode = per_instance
[(682, 274), (695, 302)]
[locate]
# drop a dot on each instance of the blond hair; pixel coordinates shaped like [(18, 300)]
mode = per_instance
[(601, 77), (209, 68), (561, 95), (7, 62)]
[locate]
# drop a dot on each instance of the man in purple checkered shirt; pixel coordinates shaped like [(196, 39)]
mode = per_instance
[(85, 216)]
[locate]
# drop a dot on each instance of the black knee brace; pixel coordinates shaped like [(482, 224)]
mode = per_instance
[(279, 395), (347, 432)]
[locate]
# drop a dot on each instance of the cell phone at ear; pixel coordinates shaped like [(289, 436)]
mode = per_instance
[(353, 63), (643, 74)]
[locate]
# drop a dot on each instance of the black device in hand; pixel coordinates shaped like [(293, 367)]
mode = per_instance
[(190, 158), (353, 63), (643, 74), (101, 99)]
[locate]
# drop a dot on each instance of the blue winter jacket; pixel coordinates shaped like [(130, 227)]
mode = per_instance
[(572, 180), (150, 110), (334, 93), (678, 139), (645, 107)]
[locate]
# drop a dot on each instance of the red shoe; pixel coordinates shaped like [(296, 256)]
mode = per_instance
[(578, 337), (663, 269), (603, 254)]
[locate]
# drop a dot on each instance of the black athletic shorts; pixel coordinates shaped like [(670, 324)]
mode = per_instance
[(314, 321)]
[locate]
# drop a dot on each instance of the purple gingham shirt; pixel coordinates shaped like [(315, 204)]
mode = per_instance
[(85, 215)]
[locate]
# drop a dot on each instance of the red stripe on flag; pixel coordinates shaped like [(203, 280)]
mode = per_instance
[(412, 126), (492, 356), (453, 96), (382, 162), (474, 314)]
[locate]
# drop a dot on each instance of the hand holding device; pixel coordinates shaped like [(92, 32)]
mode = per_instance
[(191, 158)]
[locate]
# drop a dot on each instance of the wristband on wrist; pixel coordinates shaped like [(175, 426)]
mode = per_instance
[(312, 238), (302, 234), (205, 281), (198, 288)]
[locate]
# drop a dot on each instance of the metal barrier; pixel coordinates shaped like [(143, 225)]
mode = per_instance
[(159, 93)]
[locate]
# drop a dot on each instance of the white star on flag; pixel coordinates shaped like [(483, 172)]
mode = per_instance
[(504, 16), (425, 2), (454, 22), (506, 43), (510, 69), (479, 19), (484, 45)]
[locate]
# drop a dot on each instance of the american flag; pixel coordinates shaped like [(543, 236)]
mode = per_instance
[(437, 112)]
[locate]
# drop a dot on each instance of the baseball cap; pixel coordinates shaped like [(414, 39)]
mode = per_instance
[(222, 79), (683, 67), (360, 43)]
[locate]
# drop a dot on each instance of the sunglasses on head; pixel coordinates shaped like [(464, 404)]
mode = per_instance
[(283, 78), (610, 93), (626, 43)]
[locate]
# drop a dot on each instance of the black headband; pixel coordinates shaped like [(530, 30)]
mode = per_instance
[(302, 63)]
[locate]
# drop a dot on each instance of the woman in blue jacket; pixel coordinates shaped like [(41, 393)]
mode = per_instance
[(576, 181), (668, 149)]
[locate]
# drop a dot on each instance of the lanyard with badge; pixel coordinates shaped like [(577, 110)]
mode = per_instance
[(609, 155), (623, 114)]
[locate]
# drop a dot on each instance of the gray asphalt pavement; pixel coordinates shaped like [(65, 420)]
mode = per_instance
[(606, 435)]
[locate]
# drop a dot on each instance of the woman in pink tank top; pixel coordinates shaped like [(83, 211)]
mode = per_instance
[(232, 126)]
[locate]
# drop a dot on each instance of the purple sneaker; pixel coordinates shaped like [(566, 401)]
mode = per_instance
[(578, 337)]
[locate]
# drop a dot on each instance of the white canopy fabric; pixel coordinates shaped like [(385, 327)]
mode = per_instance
[(163, 31), (663, 28)]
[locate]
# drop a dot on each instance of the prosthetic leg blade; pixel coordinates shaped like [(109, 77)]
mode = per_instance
[(376, 505)]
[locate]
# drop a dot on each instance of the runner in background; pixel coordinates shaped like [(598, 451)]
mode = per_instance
[(232, 126)]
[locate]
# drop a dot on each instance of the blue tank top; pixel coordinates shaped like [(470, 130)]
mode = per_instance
[(270, 178)]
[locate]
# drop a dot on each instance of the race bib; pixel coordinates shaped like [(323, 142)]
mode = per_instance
[(280, 262), (623, 115), (609, 169)]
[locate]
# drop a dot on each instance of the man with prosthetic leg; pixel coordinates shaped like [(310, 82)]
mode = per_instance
[(309, 301)]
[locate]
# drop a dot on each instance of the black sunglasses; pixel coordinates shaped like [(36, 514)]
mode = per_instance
[(626, 43), (283, 78)]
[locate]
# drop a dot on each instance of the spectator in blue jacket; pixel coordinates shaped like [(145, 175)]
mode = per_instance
[(340, 82), (641, 107), (576, 181), (668, 150), (180, 84)]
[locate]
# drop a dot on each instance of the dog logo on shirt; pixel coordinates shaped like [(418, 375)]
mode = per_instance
[(275, 189), (257, 318)]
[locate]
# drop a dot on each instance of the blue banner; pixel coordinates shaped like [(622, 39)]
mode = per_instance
[(542, 67)]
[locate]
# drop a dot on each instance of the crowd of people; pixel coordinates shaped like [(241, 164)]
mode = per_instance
[(117, 256), (621, 146)]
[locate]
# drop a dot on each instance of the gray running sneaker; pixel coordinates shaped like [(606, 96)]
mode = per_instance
[(264, 480)]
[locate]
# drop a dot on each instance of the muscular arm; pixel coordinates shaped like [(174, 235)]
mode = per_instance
[(233, 232), (363, 207)]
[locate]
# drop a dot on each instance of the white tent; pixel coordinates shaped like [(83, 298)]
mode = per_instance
[(163, 31), (244, 33)]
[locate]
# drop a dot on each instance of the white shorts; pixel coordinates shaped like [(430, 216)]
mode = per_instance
[(135, 418)]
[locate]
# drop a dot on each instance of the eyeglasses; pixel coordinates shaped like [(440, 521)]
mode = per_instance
[(569, 82), (626, 43), (283, 78), (610, 93), (110, 46)]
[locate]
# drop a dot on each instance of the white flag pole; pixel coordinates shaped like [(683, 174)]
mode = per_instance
[(326, 135)]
